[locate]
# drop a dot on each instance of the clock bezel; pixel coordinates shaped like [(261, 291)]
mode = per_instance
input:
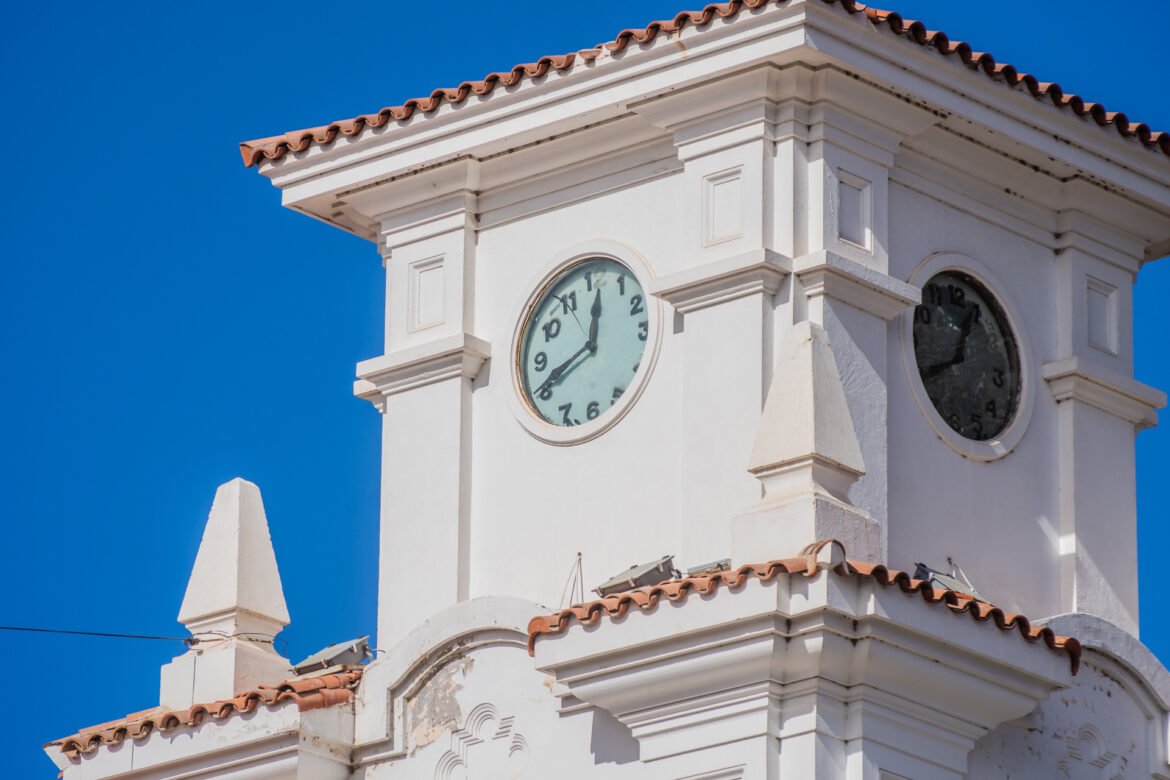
[(1007, 440), (549, 275)]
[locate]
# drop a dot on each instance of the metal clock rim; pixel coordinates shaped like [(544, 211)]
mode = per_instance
[(1008, 439), (549, 273)]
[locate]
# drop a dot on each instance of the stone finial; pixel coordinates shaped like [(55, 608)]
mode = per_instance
[(807, 456), (233, 608), (806, 428)]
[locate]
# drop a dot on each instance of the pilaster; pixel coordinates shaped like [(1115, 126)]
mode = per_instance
[(725, 296), (423, 387), (839, 138), (1100, 407)]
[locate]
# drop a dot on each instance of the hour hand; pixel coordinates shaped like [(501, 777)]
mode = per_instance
[(555, 374)]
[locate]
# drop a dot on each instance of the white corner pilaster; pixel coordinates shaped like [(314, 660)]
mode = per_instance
[(837, 143), (725, 295), (1098, 414), (423, 388)]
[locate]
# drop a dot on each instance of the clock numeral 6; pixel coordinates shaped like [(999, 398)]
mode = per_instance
[(540, 361), (551, 329), (545, 393), (592, 410)]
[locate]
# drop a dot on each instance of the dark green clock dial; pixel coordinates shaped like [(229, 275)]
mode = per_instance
[(967, 356)]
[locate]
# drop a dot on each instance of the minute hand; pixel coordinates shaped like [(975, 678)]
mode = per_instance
[(555, 374)]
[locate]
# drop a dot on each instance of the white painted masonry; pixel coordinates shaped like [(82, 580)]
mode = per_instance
[(783, 183)]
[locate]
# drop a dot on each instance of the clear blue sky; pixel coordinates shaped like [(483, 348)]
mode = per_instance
[(165, 325)]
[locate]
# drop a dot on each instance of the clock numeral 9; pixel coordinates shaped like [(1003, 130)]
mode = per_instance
[(592, 410), (922, 314), (551, 329), (540, 361), (636, 305)]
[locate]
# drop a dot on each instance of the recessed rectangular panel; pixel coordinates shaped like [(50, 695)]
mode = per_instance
[(723, 201), (427, 293), (854, 221), (1101, 314)]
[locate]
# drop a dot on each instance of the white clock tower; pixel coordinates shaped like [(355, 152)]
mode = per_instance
[(762, 276)]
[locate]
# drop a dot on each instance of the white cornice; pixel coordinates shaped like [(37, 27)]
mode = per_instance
[(1074, 379), (831, 275), (760, 271), (811, 33), (462, 355)]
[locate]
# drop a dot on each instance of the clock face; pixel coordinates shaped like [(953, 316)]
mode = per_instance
[(583, 342), (967, 356)]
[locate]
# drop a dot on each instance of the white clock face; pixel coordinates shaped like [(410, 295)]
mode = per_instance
[(583, 342)]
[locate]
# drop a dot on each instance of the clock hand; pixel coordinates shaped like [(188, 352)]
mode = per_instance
[(569, 309), (556, 373), (595, 313), (959, 354)]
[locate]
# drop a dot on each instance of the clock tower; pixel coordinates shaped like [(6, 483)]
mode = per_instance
[(694, 323), (774, 301)]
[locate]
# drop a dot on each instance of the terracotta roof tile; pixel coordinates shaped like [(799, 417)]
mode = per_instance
[(309, 693), (646, 598), (275, 147)]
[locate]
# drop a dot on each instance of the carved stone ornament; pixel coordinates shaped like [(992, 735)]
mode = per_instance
[(1088, 759), (486, 747)]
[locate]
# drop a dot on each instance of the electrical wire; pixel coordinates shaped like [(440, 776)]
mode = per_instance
[(94, 633)]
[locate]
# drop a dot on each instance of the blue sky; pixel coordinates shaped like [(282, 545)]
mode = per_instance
[(166, 326)]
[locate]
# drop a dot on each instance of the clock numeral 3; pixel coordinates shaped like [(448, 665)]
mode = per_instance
[(643, 330)]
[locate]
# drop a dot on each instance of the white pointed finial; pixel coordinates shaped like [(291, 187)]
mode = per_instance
[(235, 581), (806, 427), (233, 608), (807, 456)]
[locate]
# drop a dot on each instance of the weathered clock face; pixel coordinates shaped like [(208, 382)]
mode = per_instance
[(583, 342), (967, 356)]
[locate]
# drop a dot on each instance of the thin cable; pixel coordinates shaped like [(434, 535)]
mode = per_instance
[(94, 633)]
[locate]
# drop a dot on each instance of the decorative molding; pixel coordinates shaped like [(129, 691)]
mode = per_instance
[(831, 275), (760, 271), (462, 355), (1088, 759), (1076, 380), (484, 726)]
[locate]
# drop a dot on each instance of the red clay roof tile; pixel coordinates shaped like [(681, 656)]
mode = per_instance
[(646, 598), (309, 693), (275, 147)]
